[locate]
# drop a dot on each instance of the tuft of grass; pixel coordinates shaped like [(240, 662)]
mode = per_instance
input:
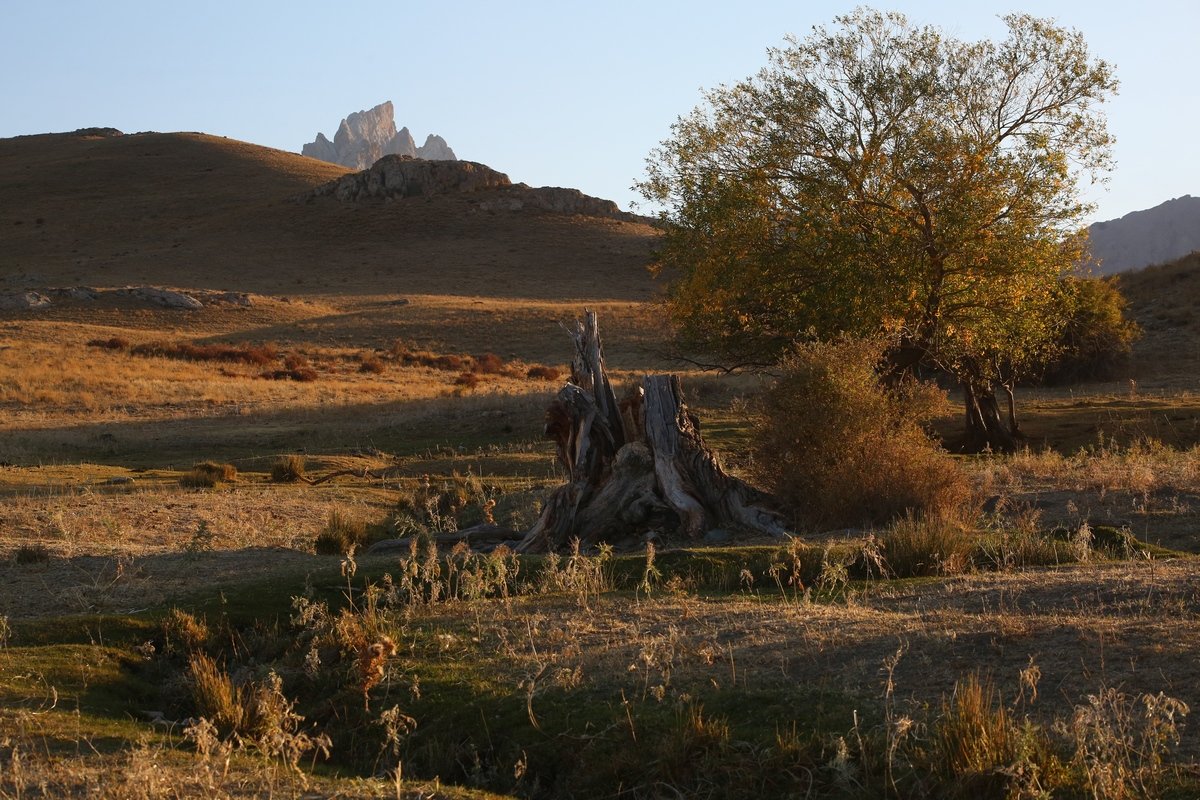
[(288, 469), (920, 546), (207, 475), (342, 534), (973, 737), (214, 695), (31, 554), (184, 632)]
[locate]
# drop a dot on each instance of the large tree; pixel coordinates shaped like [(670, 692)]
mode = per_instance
[(879, 175)]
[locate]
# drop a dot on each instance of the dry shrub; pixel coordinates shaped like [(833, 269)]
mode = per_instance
[(288, 469), (489, 364), (301, 374), (259, 355), (425, 358), (112, 343), (467, 380), (295, 361), (1121, 742), (371, 364), (208, 474), (543, 373), (841, 449)]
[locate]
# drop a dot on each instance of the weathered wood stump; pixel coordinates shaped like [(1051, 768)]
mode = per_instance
[(634, 466)]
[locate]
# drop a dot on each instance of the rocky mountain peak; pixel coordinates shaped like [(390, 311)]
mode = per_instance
[(364, 137)]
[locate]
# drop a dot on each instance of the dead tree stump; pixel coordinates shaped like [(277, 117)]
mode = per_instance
[(634, 466)]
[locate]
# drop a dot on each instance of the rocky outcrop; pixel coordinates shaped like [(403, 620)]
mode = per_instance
[(397, 176), (1154, 236), (364, 137)]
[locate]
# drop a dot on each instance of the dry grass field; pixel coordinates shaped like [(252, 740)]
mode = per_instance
[(167, 627)]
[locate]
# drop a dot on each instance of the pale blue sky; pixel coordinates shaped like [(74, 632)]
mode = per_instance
[(552, 93)]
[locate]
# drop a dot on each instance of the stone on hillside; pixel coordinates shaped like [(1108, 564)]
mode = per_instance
[(23, 301), (364, 137), (164, 297)]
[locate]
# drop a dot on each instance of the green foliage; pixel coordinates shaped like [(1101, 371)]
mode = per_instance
[(885, 176), (840, 448)]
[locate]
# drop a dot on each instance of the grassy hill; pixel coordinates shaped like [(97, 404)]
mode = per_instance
[(201, 211)]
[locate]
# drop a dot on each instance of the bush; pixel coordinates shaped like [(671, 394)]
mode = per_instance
[(543, 373), (840, 449), (288, 469)]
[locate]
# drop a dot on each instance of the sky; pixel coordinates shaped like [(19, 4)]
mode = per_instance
[(564, 93)]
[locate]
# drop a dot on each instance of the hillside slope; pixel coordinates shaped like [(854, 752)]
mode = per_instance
[(199, 211), (1163, 299), (1153, 236)]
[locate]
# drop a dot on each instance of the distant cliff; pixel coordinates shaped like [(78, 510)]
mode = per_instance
[(367, 136), (1154, 236)]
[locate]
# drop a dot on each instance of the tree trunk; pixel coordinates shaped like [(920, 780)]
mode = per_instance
[(985, 427), (635, 466)]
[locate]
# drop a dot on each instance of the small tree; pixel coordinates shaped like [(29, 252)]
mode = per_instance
[(881, 176)]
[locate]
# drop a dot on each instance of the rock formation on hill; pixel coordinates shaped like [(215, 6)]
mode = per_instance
[(1154, 236), (366, 136), (395, 177)]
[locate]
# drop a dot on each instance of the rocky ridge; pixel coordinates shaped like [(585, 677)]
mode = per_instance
[(366, 136), (395, 177)]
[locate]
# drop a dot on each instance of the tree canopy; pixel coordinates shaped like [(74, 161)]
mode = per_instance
[(876, 176)]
